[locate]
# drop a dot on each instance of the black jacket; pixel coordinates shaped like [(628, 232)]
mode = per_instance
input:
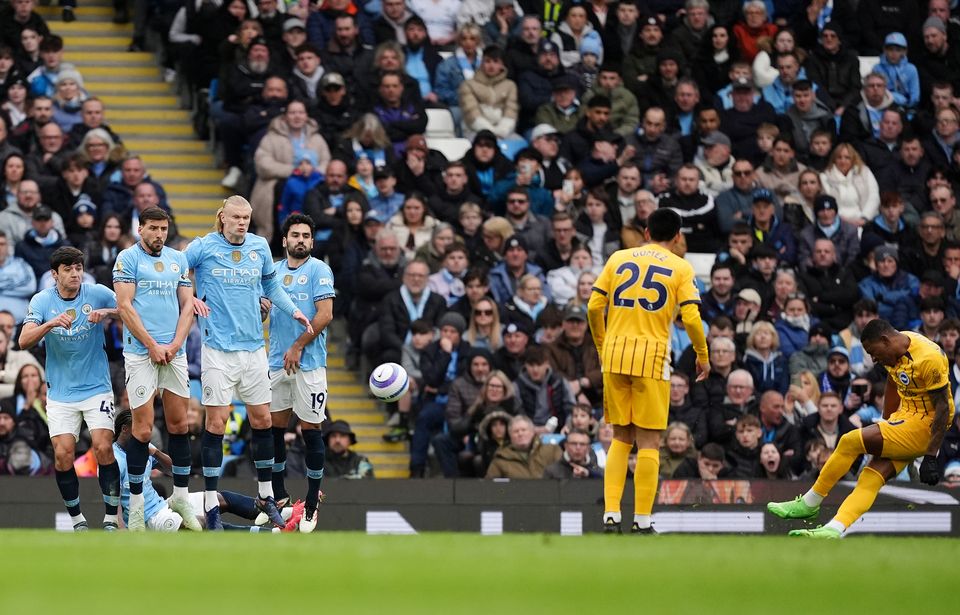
[(838, 74), (721, 422), (434, 362), (446, 206), (241, 87), (832, 293), (395, 319)]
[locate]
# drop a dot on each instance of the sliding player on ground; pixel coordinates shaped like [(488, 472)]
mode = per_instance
[(632, 308), (917, 410), (68, 317), (155, 300), (298, 359), (233, 269)]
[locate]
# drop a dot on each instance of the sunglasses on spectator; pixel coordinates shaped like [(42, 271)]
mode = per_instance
[(483, 312)]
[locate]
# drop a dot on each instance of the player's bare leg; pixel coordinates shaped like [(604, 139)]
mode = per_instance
[(138, 453), (175, 415), (645, 477), (108, 474), (615, 475), (262, 449), (64, 451), (850, 446)]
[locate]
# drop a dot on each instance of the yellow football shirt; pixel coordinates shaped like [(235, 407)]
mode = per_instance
[(642, 289), (922, 369)]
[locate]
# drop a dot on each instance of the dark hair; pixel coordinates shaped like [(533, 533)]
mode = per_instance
[(454, 247), (534, 355), (153, 213), (527, 153), (420, 326), (306, 48), (17, 387), (517, 189), (712, 451), (600, 100), (493, 52), (108, 217), (722, 322), (66, 255), (865, 305), (876, 329), (297, 219), (560, 216), (51, 42), (550, 316), (932, 303), (124, 419), (476, 273), (75, 160), (721, 265), (803, 85), (950, 324), (6, 51), (664, 224), (741, 228)]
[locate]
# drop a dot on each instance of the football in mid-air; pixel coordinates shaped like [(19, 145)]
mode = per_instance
[(388, 382)]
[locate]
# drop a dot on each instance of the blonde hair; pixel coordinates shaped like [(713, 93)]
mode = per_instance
[(768, 129), (678, 425), (814, 388), (237, 200), (500, 226), (763, 325), (852, 151), (482, 395), (496, 339)]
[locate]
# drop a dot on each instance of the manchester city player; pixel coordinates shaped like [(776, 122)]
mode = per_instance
[(68, 317), (155, 300), (298, 359), (233, 269)]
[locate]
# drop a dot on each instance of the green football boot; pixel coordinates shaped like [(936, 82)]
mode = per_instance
[(820, 532), (794, 509)]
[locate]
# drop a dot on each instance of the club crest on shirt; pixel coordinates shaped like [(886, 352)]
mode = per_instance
[(903, 378), (235, 256), (287, 280), (174, 267), (141, 391), (302, 279), (87, 308), (158, 266), (254, 256)]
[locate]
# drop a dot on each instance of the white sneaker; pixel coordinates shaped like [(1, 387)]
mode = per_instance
[(308, 522), (182, 507), (286, 511), (135, 519), (232, 178)]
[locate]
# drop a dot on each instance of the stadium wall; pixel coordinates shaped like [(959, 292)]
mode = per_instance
[(559, 507)]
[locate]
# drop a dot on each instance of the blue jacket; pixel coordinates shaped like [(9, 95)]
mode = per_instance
[(294, 191), (894, 297), (502, 289), (792, 338), (781, 239), (772, 374), (541, 201), (447, 81), (320, 28), (903, 80), (778, 96)]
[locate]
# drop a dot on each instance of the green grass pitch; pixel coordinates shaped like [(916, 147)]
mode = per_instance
[(47, 572)]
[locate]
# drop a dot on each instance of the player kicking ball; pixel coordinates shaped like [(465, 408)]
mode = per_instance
[(298, 359), (631, 311), (155, 300), (159, 516), (69, 319), (233, 269), (917, 410)]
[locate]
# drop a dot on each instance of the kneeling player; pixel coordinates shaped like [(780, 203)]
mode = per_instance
[(917, 410), (298, 359), (158, 515)]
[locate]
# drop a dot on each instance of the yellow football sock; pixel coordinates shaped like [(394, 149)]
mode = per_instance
[(645, 480), (860, 501), (615, 475), (848, 449)]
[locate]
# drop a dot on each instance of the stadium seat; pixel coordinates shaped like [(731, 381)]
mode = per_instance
[(451, 147), (867, 63), (440, 124), (510, 147), (702, 263)]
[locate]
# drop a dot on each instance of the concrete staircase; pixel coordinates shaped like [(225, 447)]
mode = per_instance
[(145, 111)]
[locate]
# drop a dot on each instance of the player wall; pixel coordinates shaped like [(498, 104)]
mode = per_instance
[(559, 507)]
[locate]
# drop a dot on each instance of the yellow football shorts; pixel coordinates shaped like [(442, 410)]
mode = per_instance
[(644, 402), (905, 436)]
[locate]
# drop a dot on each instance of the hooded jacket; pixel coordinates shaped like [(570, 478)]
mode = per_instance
[(490, 103), (894, 297), (838, 73), (542, 400), (769, 374), (903, 80)]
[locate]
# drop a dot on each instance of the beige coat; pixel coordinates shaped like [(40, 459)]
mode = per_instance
[(421, 236), (16, 359), (490, 103), (274, 161)]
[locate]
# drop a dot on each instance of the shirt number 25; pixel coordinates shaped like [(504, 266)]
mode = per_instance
[(650, 282)]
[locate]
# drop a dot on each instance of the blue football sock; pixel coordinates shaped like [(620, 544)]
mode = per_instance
[(179, 445), (109, 477), (211, 453), (69, 486), (279, 463), (137, 454), (240, 505), (313, 438)]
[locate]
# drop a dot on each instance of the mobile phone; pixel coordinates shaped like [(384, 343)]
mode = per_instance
[(568, 187), (859, 389)]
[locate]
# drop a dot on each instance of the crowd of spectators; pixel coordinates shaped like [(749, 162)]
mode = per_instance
[(823, 197)]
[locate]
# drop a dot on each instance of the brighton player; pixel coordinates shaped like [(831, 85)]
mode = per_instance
[(68, 317), (232, 270), (298, 360), (155, 301)]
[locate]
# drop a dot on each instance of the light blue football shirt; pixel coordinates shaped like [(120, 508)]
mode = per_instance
[(312, 281), (76, 363), (157, 279), (152, 502), (231, 279)]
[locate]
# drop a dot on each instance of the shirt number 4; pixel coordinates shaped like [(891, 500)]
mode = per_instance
[(649, 283)]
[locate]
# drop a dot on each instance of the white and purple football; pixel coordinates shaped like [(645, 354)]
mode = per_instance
[(389, 382)]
